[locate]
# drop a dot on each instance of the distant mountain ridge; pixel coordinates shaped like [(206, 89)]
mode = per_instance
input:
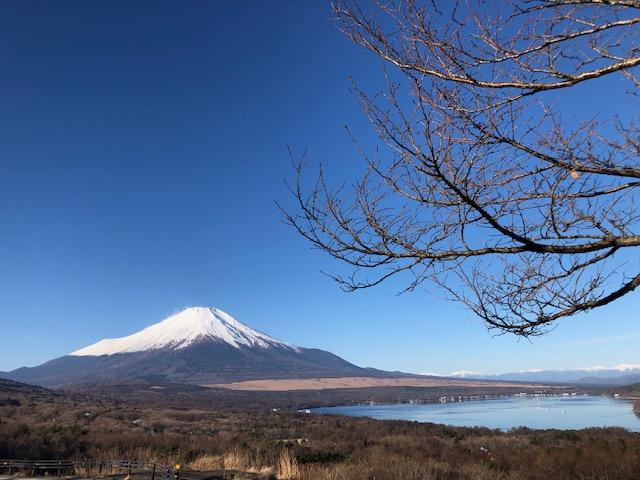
[(623, 374), (199, 345)]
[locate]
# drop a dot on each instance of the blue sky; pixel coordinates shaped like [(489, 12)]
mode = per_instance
[(141, 147)]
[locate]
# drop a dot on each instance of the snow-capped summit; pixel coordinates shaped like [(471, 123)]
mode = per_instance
[(183, 329)]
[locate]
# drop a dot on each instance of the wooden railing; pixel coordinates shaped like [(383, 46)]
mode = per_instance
[(153, 471), (36, 466), (66, 467)]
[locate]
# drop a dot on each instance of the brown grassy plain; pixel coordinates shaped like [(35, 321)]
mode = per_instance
[(364, 382)]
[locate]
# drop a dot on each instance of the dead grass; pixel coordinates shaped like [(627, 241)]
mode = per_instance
[(206, 462), (238, 459), (288, 468)]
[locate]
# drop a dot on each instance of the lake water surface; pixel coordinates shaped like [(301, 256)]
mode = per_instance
[(559, 412)]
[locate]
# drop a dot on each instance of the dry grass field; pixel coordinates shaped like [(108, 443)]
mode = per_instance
[(365, 382)]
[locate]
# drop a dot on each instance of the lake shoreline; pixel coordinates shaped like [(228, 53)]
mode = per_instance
[(468, 398), (505, 412)]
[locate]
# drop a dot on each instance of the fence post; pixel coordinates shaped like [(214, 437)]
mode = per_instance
[(10, 466), (59, 467), (100, 467), (33, 469)]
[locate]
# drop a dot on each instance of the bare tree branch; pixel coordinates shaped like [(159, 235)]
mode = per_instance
[(486, 191)]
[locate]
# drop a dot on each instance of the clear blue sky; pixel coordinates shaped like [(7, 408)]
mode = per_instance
[(141, 147)]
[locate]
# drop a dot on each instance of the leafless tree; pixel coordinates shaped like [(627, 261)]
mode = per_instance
[(489, 187)]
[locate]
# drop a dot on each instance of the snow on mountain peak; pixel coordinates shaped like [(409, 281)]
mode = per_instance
[(465, 373), (586, 372), (181, 330)]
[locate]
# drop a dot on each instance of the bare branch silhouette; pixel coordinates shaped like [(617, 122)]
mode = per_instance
[(486, 190)]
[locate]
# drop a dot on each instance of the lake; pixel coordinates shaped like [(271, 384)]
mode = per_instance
[(541, 412)]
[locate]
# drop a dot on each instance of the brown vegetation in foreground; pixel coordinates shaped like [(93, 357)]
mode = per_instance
[(285, 444)]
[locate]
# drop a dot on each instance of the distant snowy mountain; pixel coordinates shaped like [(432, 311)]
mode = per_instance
[(623, 374), (199, 346)]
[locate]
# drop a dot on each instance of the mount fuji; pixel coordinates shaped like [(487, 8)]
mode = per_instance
[(196, 346)]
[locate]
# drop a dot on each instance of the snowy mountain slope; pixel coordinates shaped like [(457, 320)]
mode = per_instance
[(197, 346), (181, 330)]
